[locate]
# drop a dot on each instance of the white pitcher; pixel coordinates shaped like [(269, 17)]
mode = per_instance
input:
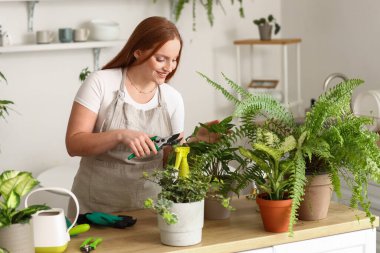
[(49, 226)]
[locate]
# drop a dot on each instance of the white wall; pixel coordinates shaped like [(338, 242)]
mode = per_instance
[(337, 36), (43, 85)]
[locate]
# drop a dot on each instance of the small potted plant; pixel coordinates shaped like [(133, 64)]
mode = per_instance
[(265, 26), (213, 154), (180, 204), (16, 233), (272, 170)]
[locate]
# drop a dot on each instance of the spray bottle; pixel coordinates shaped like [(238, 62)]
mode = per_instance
[(181, 161)]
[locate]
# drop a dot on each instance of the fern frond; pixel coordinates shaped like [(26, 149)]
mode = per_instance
[(299, 181), (225, 92), (264, 104), (237, 88), (334, 103)]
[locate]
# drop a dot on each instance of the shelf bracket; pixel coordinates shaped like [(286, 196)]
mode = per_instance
[(96, 53), (31, 7)]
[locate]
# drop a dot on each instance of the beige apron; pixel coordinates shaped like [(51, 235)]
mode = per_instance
[(110, 182)]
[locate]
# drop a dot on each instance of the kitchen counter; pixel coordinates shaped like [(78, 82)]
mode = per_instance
[(242, 231)]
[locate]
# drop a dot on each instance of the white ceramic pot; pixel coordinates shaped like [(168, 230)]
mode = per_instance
[(101, 30), (17, 238), (188, 230)]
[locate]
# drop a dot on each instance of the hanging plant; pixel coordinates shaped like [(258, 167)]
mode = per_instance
[(177, 7), (4, 104)]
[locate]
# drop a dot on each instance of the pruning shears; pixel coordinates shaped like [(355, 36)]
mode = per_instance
[(160, 142), (90, 244)]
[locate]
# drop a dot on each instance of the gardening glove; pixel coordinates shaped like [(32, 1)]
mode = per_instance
[(104, 219)]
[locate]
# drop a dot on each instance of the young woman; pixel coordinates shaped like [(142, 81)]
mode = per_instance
[(117, 110)]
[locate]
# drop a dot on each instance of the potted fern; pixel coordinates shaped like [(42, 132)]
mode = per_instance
[(180, 204), (16, 233), (213, 154), (338, 147), (331, 133)]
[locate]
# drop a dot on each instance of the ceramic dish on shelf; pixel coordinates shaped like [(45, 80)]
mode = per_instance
[(104, 30)]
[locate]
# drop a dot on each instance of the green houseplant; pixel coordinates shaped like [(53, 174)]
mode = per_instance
[(339, 144), (277, 119), (272, 171), (14, 223), (4, 104), (331, 132), (213, 155), (180, 201), (265, 26), (84, 73), (177, 7)]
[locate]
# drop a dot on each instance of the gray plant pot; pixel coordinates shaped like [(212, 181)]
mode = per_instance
[(265, 32), (214, 210), (17, 238)]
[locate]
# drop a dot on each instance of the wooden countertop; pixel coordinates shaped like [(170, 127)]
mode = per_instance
[(242, 231)]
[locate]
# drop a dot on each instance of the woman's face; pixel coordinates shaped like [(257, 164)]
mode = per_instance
[(161, 63)]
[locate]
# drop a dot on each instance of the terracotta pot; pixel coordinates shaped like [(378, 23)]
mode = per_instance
[(317, 198), (17, 238), (275, 214), (214, 210)]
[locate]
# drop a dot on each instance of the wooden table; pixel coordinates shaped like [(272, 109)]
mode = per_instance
[(242, 231)]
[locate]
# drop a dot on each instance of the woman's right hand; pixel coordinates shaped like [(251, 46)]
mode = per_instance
[(139, 142)]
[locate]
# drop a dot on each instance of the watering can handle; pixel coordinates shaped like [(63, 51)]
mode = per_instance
[(61, 190)]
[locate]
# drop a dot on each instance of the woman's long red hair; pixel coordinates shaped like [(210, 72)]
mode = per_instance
[(151, 33)]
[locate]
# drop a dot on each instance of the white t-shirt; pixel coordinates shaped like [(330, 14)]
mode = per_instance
[(100, 88)]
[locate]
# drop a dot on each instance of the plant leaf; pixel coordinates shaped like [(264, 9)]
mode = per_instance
[(25, 214), (13, 200)]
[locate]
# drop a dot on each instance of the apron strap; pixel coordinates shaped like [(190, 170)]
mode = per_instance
[(112, 108)]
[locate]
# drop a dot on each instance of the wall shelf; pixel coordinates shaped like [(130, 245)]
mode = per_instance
[(96, 46), (284, 43), (59, 46)]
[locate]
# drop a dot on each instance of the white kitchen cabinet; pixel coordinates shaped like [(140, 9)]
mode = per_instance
[(363, 241), (374, 196), (263, 250), (284, 86)]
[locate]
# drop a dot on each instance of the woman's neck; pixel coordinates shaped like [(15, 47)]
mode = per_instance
[(139, 80)]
